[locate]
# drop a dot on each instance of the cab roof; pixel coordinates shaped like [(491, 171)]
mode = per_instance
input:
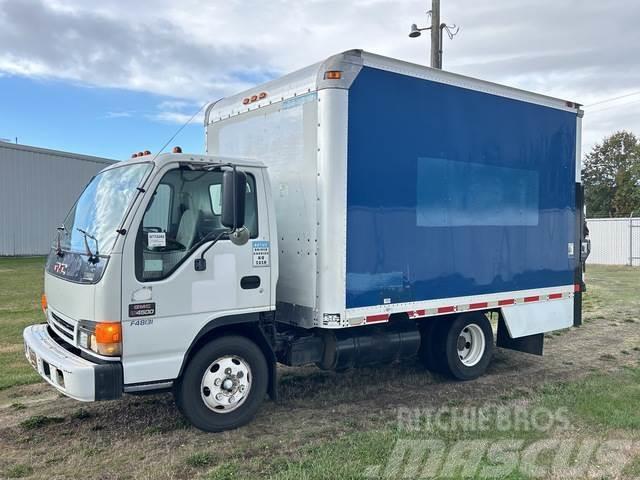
[(165, 158)]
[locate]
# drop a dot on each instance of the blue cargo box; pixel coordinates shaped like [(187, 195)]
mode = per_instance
[(454, 192)]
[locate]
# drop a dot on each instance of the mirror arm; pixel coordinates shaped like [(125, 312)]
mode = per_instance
[(200, 264)]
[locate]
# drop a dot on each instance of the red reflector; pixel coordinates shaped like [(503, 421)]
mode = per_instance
[(510, 301), (553, 296), (446, 309), (421, 313), (576, 287), (531, 299), (383, 317), (254, 98), (262, 95), (245, 101), (478, 305)]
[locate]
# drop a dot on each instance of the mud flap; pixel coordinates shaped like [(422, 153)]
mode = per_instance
[(530, 344)]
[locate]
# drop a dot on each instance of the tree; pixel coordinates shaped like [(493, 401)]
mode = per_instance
[(611, 177)]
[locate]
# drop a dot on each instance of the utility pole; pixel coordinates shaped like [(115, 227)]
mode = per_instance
[(436, 35)]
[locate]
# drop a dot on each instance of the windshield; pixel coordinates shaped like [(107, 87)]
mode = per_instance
[(101, 208)]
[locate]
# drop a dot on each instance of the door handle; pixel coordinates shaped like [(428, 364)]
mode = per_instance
[(250, 282)]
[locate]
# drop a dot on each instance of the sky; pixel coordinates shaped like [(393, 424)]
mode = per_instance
[(112, 77)]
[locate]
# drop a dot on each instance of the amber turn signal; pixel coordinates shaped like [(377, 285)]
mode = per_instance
[(43, 303), (108, 332)]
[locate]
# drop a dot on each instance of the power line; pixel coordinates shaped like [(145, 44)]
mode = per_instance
[(612, 99), (179, 130), (633, 102)]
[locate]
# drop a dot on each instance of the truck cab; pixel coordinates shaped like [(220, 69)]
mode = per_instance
[(145, 266)]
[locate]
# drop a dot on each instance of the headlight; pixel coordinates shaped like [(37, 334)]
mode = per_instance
[(103, 338)]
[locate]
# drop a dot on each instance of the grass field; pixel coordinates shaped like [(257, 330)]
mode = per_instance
[(346, 425), (20, 291)]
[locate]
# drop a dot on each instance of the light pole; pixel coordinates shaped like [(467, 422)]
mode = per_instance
[(436, 33)]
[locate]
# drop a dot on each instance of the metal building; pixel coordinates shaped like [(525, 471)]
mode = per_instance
[(37, 189), (614, 241)]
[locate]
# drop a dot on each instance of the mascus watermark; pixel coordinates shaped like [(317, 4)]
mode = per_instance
[(566, 458)]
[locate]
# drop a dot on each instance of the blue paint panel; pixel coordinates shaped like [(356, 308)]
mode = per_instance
[(454, 192)]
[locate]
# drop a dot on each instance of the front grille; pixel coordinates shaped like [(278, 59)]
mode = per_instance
[(62, 326)]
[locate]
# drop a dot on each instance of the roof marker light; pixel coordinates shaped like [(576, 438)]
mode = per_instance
[(332, 75)]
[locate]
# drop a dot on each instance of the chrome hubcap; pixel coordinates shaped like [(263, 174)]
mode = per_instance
[(471, 345), (226, 384)]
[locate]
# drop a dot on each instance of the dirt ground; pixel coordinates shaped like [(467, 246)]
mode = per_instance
[(145, 437)]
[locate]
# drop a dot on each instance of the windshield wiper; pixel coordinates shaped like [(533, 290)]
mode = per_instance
[(93, 258)]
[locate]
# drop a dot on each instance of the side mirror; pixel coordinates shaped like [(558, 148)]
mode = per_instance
[(234, 190)]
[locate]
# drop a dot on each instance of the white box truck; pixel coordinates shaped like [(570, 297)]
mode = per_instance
[(362, 210)]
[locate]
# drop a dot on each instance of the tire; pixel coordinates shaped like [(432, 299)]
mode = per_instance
[(223, 384), (466, 346)]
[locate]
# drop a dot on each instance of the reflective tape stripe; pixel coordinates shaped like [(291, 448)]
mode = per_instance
[(384, 317), (426, 312)]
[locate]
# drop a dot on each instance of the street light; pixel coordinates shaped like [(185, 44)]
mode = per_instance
[(436, 33), (416, 32)]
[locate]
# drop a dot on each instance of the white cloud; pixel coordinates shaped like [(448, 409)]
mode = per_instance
[(204, 50)]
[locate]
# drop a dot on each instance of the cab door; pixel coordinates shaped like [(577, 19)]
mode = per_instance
[(166, 301)]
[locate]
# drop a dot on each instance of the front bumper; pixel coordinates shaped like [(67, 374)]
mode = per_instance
[(69, 373)]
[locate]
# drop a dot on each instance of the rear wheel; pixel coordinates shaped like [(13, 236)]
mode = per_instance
[(223, 384), (461, 347)]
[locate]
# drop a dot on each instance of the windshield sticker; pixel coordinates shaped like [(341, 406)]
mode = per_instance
[(260, 253), (156, 239)]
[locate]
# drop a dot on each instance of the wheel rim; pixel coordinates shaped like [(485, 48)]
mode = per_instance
[(471, 345), (226, 384)]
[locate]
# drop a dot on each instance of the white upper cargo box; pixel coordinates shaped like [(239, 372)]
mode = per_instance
[(349, 63)]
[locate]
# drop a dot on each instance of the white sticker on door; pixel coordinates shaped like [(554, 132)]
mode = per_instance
[(156, 239), (260, 253)]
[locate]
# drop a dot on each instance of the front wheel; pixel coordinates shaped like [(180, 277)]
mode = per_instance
[(223, 384)]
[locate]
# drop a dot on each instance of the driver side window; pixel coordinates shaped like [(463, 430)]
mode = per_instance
[(184, 212)]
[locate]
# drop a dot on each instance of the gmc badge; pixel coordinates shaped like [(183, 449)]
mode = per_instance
[(142, 309)]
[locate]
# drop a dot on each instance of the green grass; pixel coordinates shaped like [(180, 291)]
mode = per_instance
[(200, 459), (21, 282), (608, 401), (19, 471), (598, 406), (39, 421)]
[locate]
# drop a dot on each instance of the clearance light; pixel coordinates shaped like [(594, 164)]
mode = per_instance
[(43, 303), (333, 75), (254, 98)]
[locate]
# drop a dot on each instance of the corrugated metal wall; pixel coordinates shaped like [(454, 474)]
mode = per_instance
[(611, 240), (37, 189)]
